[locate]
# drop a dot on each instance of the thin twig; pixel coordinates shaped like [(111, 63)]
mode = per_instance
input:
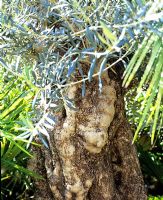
[(96, 74)]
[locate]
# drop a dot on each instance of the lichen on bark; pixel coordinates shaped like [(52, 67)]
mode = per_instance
[(84, 132)]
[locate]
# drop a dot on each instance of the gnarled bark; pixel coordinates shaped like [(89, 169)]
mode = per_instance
[(91, 155)]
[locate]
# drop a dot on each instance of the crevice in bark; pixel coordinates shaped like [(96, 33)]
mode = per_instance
[(37, 164)]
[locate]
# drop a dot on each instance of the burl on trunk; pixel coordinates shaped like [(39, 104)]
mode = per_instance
[(91, 156)]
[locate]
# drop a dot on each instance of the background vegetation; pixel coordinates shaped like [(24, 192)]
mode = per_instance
[(42, 46)]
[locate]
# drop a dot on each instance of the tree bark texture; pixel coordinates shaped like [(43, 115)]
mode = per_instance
[(91, 156)]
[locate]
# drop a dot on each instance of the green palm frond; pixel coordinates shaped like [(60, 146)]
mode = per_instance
[(152, 108), (15, 98)]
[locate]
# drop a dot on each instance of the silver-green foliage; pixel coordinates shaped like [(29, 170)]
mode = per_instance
[(47, 42)]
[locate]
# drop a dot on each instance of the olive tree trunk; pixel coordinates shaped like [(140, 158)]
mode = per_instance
[(91, 155)]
